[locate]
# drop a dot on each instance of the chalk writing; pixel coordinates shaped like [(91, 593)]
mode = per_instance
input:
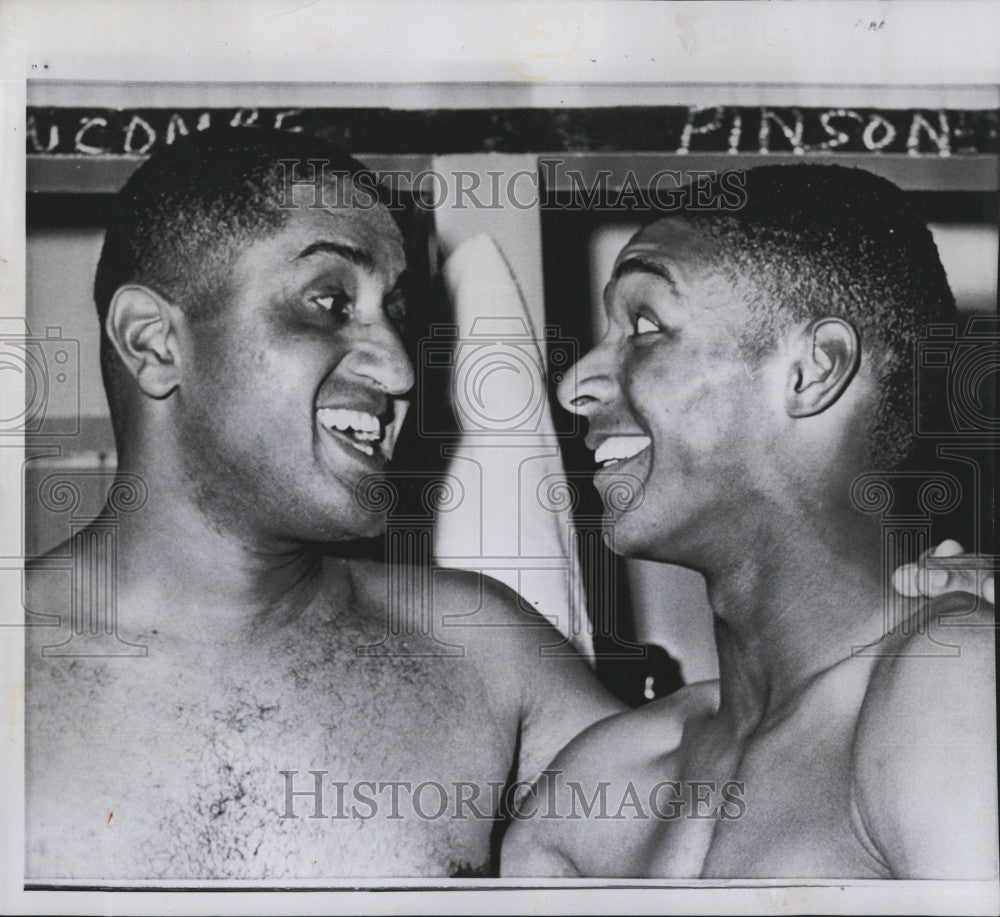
[(674, 129)]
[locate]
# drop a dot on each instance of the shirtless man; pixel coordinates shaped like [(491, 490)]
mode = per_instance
[(756, 364), (240, 338), (236, 332)]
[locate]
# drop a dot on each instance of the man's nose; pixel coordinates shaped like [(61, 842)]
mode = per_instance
[(589, 384), (377, 355)]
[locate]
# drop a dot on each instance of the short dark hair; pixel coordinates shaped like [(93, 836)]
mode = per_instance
[(185, 214), (815, 240)]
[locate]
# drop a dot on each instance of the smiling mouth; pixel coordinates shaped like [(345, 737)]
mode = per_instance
[(371, 435), (617, 449)]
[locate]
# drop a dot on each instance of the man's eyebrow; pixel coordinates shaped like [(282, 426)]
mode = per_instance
[(355, 255), (639, 263)]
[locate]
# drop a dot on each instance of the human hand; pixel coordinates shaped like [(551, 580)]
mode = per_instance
[(947, 568)]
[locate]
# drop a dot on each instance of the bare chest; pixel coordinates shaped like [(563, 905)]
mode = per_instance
[(777, 806), (301, 764)]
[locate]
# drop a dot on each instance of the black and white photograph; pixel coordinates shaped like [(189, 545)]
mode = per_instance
[(499, 457)]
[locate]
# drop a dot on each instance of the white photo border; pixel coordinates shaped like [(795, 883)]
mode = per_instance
[(421, 54)]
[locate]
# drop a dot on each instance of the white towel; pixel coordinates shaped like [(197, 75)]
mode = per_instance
[(511, 523)]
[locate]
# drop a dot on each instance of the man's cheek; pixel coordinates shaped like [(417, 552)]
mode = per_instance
[(646, 382)]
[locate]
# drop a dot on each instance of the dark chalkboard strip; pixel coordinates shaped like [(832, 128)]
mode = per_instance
[(714, 129), (107, 174)]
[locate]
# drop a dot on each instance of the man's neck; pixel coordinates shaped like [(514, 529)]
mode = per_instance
[(791, 606), (178, 569)]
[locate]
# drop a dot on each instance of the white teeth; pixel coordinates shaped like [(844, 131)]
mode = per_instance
[(363, 428), (619, 448), (344, 419)]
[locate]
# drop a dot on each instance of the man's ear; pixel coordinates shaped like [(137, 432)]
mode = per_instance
[(141, 325), (826, 357)]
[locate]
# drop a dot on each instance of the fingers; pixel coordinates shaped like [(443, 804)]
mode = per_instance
[(904, 580), (922, 579), (915, 580), (948, 548), (934, 581)]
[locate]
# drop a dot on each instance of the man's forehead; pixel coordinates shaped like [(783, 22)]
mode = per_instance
[(677, 254), (667, 241), (359, 221), (341, 194)]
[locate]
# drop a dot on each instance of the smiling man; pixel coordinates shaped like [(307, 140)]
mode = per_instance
[(756, 365), (256, 378)]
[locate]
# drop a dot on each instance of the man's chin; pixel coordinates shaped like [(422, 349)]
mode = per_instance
[(329, 538), (621, 536), (371, 526), (628, 530), (353, 523), (622, 495), (333, 515)]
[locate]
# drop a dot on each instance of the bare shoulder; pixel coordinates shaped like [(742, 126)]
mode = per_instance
[(47, 580), (533, 679), (53, 584), (470, 599), (460, 607), (451, 586), (636, 737), (606, 762), (47, 598), (469, 619), (935, 673), (925, 747)]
